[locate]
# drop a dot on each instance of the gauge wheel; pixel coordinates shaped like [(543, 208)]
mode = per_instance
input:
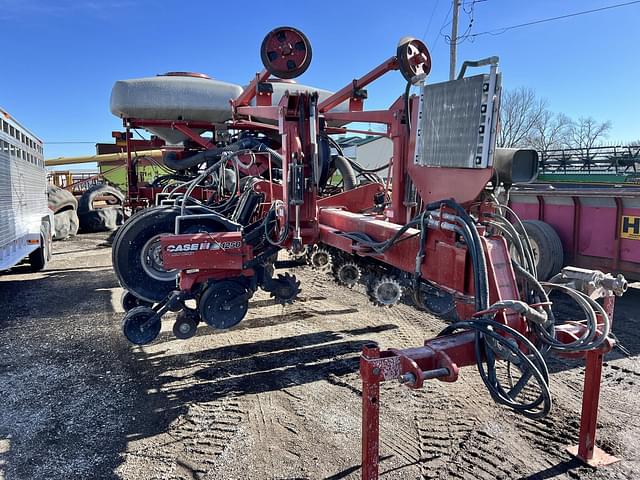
[(141, 325), (137, 254)]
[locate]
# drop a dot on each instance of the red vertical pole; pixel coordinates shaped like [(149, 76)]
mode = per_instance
[(586, 449), (132, 180), (590, 399), (370, 414)]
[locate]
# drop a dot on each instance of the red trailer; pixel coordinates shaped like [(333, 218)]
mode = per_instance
[(598, 226)]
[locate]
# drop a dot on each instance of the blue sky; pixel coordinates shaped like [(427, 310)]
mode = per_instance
[(61, 58)]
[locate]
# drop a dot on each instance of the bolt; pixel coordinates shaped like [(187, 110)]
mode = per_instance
[(376, 371), (407, 378)]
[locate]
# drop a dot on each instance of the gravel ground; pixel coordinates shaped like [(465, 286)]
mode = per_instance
[(276, 397)]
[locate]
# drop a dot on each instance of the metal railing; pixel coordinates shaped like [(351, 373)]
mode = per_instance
[(603, 159)]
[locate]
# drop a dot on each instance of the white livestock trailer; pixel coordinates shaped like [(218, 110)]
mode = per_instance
[(26, 223)]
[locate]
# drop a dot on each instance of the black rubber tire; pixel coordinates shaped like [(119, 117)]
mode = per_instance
[(39, 258), (116, 234), (66, 224), (550, 253), (127, 249), (62, 224), (59, 199), (104, 219), (132, 322), (186, 324), (129, 301), (86, 201)]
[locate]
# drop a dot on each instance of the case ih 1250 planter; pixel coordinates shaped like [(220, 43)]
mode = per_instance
[(434, 233)]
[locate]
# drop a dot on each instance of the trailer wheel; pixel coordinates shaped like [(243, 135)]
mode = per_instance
[(136, 255), (39, 258), (547, 248)]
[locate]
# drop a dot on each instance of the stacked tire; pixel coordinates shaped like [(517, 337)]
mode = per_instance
[(64, 207), (100, 218)]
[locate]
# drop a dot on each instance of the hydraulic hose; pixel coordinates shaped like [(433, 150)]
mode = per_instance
[(346, 170), (531, 364), (215, 154)]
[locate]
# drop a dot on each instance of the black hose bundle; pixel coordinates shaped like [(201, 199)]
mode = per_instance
[(215, 154), (490, 340)]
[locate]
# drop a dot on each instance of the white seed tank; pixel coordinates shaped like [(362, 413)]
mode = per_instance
[(185, 96)]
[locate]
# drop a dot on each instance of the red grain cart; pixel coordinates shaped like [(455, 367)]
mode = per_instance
[(597, 227)]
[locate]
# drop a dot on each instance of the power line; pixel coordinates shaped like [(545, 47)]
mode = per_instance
[(68, 143), (444, 24), (430, 20), (465, 36), (500, 31)]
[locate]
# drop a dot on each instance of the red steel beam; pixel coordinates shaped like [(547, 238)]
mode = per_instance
[(347, 92)]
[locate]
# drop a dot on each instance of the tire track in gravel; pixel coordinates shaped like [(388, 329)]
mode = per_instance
[(448, 437), (203, 433), (445, 441), (550, 434), (454, 437)]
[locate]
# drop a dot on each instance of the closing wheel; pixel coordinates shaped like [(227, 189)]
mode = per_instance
[(413, 58), (224, 304), (286, 52), (137, 257), (141, 325), (321, 259), (129, 301), (285, 289), (186, 325), (348, 274), (385, 292)]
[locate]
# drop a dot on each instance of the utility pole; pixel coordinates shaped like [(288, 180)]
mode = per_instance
[(454, 39)]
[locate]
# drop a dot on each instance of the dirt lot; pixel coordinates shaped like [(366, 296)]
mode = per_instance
[(276, 397)]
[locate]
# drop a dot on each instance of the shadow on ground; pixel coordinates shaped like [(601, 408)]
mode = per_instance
[(80, 393), (77, 393)]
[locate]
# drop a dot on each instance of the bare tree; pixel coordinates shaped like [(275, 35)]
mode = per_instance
[(551, 131), (520, 111), (587, 133)]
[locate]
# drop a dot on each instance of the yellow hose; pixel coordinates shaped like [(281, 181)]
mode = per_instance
[(107, 157)]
